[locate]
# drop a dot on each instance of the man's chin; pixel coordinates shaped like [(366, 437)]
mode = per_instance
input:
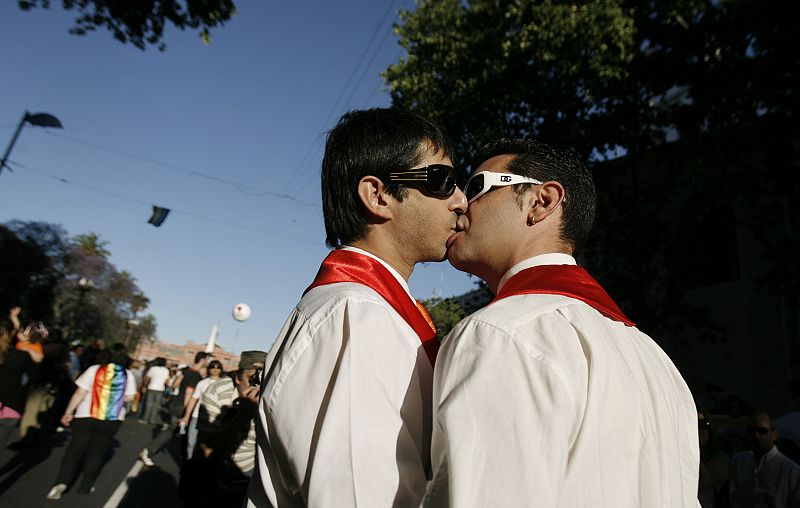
[(457, 262)]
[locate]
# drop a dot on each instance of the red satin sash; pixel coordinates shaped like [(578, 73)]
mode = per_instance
[(567, 280), (349, 266)]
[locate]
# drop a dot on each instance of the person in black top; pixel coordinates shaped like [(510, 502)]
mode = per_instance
[(190, 376)]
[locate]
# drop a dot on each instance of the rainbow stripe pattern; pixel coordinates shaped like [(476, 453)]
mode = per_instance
[(108, 392)]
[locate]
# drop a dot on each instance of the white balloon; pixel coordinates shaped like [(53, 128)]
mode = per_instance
[(241, 312)]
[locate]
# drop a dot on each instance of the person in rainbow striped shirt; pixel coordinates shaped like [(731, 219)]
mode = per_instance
[(95, 412)]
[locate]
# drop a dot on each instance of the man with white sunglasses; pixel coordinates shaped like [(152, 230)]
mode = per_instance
[(550, 396), (344, 417)]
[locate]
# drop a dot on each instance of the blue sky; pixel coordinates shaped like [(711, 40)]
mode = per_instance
[(150, 128)]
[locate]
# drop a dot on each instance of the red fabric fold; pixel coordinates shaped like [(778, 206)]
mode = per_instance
[(349, 266), (566, 280)]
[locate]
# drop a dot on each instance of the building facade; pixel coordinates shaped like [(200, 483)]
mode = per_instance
[(182, 353)]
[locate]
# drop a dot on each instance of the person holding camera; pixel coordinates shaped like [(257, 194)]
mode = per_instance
[(226, 439)]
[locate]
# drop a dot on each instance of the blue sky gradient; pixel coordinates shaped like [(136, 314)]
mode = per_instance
[(155, 128)]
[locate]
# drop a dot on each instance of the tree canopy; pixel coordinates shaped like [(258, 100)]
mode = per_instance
[(69, 283), (623, 77), (595, 75), (445, 313), (142, 22)]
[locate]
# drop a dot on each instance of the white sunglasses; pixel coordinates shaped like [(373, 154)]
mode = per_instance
[(481, 183)]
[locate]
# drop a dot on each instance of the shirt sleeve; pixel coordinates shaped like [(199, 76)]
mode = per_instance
[(503, 421), (86, 380), (199, 389)]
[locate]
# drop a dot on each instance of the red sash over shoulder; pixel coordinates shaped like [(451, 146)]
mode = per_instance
[(567, 280), (349, 266)]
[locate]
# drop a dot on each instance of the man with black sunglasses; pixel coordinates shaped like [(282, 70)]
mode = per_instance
[(550, 396), (344, 416), (762, 476)]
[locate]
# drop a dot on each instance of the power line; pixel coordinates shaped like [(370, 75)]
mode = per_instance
[(375, 90), (303, 166), (244, 188), (172, 210), (364, 73)]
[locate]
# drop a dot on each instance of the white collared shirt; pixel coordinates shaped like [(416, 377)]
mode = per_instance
[(551, 258), (540, 400), (386, 265), (773, 481), (344, 417)]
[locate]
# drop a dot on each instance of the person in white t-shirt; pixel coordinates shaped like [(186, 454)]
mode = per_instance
[(95, 412), (155, 380)]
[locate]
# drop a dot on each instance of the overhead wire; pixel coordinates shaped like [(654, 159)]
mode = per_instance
[(241, 187), (140, 201), (304, 165), (375, 90)]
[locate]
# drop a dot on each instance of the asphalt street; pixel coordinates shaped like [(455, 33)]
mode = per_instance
[(26, 475)]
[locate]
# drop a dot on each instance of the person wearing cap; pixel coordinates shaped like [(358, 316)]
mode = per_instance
[(344, 417), (220, 471), (550, 395)]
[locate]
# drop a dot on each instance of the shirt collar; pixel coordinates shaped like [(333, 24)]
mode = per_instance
[(768, 456), (552, 258), (386, 265)]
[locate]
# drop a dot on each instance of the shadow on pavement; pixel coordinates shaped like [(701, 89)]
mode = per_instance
[(152, 488), (28, 458)]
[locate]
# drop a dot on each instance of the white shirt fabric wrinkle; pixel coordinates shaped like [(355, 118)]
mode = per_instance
[(344, 418), (540, 400)]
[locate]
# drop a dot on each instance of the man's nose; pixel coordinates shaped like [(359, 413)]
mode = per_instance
[(458, 201)]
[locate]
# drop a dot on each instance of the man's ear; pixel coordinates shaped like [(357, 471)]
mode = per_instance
[(543, 200), (372, 192)]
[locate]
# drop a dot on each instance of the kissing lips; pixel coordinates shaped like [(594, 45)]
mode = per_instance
[(462, 223)]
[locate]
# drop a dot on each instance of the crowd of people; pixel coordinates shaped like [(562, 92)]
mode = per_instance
[(86, 392), (548, 396)]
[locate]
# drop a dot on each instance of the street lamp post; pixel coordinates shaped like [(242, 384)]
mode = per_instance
[(84, 285), (37, 119)]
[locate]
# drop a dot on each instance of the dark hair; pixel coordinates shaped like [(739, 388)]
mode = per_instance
[(215, 363), (160, 362), (370, 142), (103, 357), (760, 414), (199, 356), (121, 358), (543, 162)]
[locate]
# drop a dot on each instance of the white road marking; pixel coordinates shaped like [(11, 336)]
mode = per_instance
[(122, 489)]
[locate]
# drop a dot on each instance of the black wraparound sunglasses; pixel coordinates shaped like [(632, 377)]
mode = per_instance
[(436, 179), (753, 429)]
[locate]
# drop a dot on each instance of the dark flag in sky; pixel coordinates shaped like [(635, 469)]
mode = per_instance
[(159, 216)]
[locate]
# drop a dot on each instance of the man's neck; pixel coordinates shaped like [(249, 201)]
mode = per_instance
[(521, 255), (758, 456), (388, 255)]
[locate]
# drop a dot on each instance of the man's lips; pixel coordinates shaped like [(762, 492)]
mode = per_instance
[(461, 226)]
